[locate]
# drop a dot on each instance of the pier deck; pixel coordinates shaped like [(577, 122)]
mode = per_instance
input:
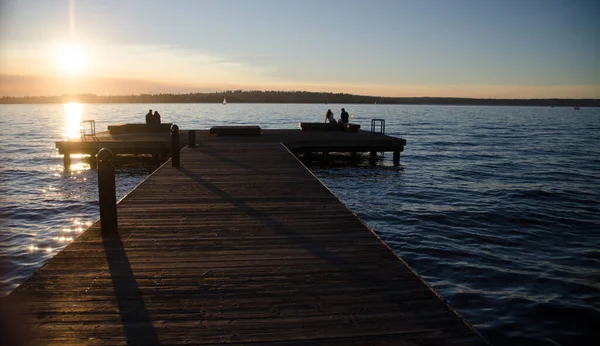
[(156, 143), (243, 245)]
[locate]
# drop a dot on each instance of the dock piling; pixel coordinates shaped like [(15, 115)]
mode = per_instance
[(67, 160), (93, 162), (325, 158), (175, 145), (373, 157), (396, 157), (107, 191)]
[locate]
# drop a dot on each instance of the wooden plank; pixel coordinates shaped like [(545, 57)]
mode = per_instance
[(241, 244)]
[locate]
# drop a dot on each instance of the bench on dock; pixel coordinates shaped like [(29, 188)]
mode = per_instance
[(138, 128), (235, 130), (329, 127)]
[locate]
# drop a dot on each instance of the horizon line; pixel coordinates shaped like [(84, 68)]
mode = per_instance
[(293, 91)]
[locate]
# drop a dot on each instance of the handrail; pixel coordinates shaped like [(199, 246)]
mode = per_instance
[(381, 123), (88, 128)]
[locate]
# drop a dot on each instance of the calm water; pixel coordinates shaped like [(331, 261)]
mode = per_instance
[(497, 208)]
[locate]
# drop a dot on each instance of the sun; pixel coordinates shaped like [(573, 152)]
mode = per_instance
[(70, 59)]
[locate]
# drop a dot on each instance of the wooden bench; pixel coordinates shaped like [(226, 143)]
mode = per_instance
[(235, 130), (329, 127), (120, 129)]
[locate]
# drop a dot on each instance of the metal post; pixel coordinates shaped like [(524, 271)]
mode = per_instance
[(192, 138), (175, 145), (107, 192)]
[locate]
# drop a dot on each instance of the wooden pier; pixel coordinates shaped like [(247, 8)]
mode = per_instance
[(241, 244), (154, 143), (303, 143)]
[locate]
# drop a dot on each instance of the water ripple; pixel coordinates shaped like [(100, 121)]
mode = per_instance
[(497, 208)]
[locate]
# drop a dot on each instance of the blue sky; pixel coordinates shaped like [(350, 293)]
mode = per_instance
[(464, 48)]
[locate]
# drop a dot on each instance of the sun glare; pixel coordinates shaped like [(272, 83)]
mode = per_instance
[(72, 128), (70, 59)]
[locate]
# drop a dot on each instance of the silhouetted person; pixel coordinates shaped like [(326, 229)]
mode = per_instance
[(156, 118), (329, 116), (149, 117), (345, 117)]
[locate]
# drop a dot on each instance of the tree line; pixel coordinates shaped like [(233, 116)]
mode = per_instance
[(259, 96)]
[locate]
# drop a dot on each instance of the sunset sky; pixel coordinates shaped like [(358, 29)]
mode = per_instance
[(459, 48)]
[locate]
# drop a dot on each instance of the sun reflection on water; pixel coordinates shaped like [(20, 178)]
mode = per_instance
[(67, 235), (73, 111), (78, 167)]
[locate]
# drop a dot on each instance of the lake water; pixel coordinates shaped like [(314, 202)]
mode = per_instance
[(497, 208)]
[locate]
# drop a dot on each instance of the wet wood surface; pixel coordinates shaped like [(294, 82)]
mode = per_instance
[(243, 245)]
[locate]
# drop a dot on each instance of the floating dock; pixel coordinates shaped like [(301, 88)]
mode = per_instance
[(241, 244)]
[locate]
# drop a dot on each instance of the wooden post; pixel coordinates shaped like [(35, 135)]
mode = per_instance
[(192, 138), (373, 157), (93, 162), (396, 157), (175, 145), (107, 192), (67, 160)]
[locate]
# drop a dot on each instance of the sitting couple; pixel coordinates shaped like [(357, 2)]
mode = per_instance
[(344, 117), (152, 119)]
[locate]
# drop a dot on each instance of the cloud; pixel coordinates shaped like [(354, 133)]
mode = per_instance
[(157, 62), (20, 85)]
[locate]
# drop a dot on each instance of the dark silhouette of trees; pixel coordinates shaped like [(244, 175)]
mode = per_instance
[(273, 96)]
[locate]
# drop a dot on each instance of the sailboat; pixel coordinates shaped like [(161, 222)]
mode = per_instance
[(224, 101)]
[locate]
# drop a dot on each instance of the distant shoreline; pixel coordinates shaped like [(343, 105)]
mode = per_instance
[(301, 97)]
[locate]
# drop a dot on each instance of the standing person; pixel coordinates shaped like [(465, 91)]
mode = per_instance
[(345, 117), (329, 116), (149, 117)]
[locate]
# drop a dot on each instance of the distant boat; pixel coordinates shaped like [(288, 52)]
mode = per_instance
[(224, 101), (576, 108)]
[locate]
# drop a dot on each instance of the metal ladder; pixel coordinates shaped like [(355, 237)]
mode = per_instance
[(381, 123), (88, 128)]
